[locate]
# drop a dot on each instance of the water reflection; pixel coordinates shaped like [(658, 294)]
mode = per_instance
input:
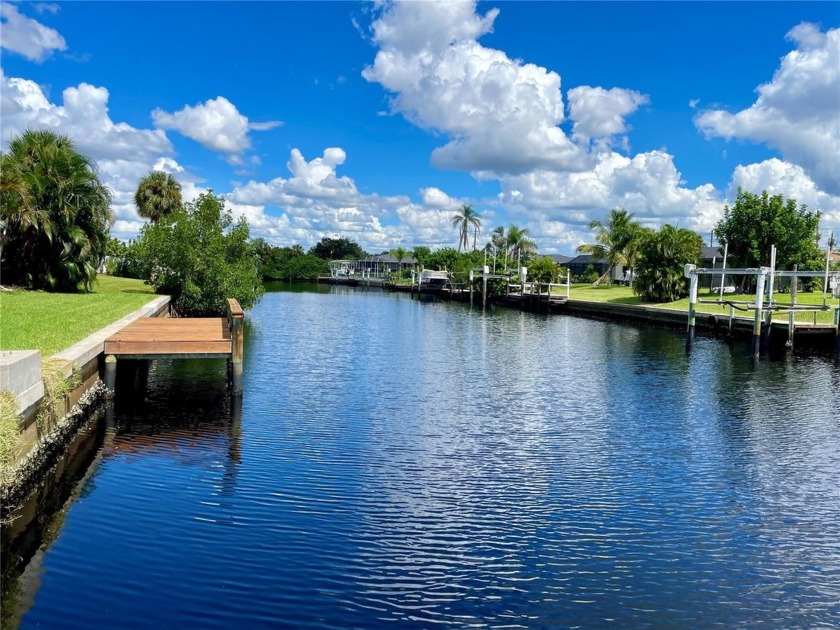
[(178, 410)]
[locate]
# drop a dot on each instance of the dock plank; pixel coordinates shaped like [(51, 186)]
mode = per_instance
[(156, 337)]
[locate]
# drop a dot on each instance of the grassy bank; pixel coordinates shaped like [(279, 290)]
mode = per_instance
[(624, 295), (51, 322)]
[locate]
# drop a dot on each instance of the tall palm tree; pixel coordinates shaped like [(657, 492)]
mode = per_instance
[(158, 195), (612, 240), (56, 213), (463, 220)]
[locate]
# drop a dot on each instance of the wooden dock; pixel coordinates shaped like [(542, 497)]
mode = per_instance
[(181, 338)]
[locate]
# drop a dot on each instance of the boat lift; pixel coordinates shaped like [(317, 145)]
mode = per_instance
[(764, 305)]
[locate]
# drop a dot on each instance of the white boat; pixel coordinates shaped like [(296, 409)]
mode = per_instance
[(433, 280)]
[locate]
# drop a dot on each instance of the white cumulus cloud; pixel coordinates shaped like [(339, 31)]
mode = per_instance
[(216, 124), (315, 201), (500, 114), (598, 112), (28, 37), (798, 111), (647, 184), (83, 116), (436, 198)]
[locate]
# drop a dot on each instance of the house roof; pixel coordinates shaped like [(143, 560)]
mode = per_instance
[(710, 252), (559, 258), (390, 258), (586, 259)]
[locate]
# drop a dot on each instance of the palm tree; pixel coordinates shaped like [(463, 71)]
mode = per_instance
[(518, 242), (399, 253), (662, 257), (296, 250), (612, 240), (56, 213), (463, 220), (632, 249), (158, 195), (17, 211)]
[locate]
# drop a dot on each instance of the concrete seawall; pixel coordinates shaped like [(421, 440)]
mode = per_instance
[(813, 337), (666, 317)]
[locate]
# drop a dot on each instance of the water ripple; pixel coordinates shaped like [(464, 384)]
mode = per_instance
[(402, 462)]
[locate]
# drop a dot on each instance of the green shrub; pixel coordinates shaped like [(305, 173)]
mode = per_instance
[(200, 257), (543, 269), (588, 276)]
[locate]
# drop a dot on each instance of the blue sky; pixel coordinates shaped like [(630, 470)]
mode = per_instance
[(375, 122)]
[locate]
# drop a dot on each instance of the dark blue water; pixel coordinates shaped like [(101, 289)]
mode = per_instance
[(396, 462)]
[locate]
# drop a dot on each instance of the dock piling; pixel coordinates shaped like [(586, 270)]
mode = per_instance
[(236, 317), (111, 372)]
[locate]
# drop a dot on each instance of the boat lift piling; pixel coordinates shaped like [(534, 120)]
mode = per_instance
[(692, 304), (837, 333), (755, 345)]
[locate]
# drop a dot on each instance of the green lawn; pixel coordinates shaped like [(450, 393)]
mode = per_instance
[(624, 295), (51, 322)]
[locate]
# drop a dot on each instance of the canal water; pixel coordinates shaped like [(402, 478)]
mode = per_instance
[(394, 461)]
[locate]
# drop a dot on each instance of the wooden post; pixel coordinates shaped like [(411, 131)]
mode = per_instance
[(755, 348), (485, 271), (692, 305), (111, 372), (236, 318)]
